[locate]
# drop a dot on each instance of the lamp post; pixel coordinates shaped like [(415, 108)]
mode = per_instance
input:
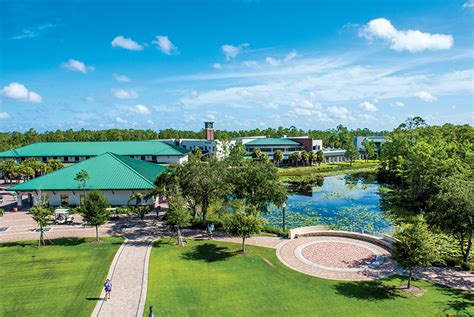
[(284, 216)]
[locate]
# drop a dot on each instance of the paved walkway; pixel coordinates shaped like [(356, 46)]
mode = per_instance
[(129, 276)]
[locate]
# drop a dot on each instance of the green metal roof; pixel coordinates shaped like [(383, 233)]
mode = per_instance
[(106, 171), (272, 141), (151, 147)]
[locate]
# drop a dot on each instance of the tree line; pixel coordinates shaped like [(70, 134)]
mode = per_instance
[(12, 170), (432, 168), (337, 137)]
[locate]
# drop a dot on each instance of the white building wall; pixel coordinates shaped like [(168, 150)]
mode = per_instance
[(115, 198)]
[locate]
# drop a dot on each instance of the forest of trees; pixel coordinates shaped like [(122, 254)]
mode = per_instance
[(337, 137)]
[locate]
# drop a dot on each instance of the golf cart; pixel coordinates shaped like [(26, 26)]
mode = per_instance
[(63, 216)]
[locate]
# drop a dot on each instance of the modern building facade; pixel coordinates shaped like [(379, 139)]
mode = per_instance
[(73, 152), (116, 176), (378, 141)]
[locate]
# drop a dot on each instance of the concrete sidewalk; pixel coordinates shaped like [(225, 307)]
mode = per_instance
[(129, 276)]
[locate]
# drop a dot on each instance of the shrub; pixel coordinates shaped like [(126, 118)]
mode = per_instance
[(276, 230)]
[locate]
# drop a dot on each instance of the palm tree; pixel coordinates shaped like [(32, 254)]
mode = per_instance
[(278, 157), (319, 157), (138, 198), (305, 157)]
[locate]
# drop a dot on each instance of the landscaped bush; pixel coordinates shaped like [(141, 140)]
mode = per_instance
[(276, 230)]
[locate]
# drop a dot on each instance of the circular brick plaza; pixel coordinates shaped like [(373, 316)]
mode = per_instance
[(336, 258)]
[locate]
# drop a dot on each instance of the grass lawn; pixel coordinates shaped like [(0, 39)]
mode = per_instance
[(209, 279), (64, 279)]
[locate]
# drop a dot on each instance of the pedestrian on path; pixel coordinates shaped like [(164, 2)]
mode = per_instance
[(210, 230), (107, 288)]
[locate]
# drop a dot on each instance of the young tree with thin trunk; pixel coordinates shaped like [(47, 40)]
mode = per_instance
[(138, 198), (414, 246), (40, 215), (94, 210), (370, 149), (178, 215), (243, 221), (82, 177)]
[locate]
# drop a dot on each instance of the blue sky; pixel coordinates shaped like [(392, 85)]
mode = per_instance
[(242, 64)]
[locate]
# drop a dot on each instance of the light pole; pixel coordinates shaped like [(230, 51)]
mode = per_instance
[(284, 216)]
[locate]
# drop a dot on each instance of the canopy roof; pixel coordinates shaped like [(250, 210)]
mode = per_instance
[(41, 149), (106, 171)]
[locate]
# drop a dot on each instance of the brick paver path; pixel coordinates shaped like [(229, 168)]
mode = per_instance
[(129, 276)]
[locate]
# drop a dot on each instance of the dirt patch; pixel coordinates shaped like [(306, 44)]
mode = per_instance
[(97, 242), (242, 252), (414, 290)]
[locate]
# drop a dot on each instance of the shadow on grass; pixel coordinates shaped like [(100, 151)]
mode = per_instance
[(460, 300), (57, 242), (208, 252), (369, 290), (93, 298)]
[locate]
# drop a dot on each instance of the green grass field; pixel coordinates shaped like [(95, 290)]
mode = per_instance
[(210, 279), (64, 279)]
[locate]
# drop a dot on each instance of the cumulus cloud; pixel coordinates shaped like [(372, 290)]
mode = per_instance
[(77, 66), (425, 96), (217, 66), (19, 92), (405, 40), (165, 45), (126, 43), (4, 116), (367, 106), (122, 78), (338, 112), (469, 4), (124, 94), (141, 109), (398, 104), (120, 120), (231, 51)]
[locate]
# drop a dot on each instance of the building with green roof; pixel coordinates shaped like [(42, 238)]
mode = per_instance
[(72, 152), (117, 176)]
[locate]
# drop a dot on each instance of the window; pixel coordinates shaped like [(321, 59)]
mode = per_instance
[(266, 149), (142, 158), (77, 158)]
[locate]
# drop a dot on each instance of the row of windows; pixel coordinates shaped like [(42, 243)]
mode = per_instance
[(264, 149), (202, 148)]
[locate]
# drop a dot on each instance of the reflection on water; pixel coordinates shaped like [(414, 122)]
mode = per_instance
[(342, 202)]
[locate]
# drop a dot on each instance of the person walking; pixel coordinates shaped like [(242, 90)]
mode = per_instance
[(107, 288), (210, 230)]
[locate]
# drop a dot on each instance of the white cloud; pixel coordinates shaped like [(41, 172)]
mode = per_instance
[(272, 61), (231, 51), (469, 4), (33, 32), (125, 94), (165, 45), (141, 109), (367, 106), (251, 63), (425, 96), (19, 92), (217, 66), (89, 99), (120, 120), (4, 116), (126, 43), (405, 40), (398, 104), (290, 56), (210, 115), (338, 112), (77, 66), (122, 78)]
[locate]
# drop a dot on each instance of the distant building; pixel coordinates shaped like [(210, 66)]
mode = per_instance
[(358, 140), (117, 176), (73, 152)]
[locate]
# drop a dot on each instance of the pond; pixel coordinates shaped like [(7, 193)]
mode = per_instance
[(343, 202)]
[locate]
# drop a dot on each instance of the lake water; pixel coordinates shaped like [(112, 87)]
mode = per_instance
[(342, 202)]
